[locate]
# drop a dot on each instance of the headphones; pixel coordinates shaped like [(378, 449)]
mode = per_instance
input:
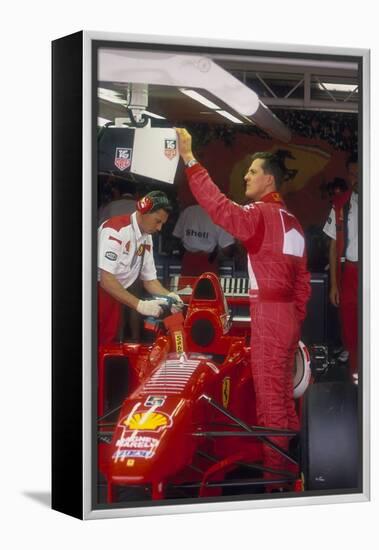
[(155, 200)]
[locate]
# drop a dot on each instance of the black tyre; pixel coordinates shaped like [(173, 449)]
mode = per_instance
[(329, 439)]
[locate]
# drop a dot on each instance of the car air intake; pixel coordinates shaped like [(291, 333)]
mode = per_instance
[(202, 332), (204, 290)]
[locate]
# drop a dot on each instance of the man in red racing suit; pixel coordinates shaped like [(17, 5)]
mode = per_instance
[(279, 284)]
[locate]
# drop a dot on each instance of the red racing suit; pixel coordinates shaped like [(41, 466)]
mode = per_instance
[(279, 291)]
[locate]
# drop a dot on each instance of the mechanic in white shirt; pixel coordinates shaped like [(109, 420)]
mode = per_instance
[(342, 229), (125, 253), (124, 198), (351, 252), (202, 241)]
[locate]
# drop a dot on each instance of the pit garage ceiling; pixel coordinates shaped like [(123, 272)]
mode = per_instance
[(279, 82), (300, 83)]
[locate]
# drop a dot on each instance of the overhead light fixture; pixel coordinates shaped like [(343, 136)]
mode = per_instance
[(204, 101), (229, 116), (200, 98), (334, 87), (189, 72), (116, 97)]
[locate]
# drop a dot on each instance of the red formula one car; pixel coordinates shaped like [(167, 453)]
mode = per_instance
[(177, 416)]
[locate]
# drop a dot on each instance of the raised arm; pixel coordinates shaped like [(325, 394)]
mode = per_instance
[(240, 221)]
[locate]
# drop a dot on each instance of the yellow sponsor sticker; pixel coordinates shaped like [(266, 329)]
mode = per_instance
[(179, 344), (147, 421)]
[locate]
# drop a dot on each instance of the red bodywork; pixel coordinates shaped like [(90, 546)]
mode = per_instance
[(178, 391)]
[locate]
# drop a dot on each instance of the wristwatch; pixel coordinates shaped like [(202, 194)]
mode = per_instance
[(190, 163)]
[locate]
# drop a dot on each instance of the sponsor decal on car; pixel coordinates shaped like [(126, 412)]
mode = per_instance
[(149, 420), (121, 455), (137, 447), (123, 158), (155, 400), (170, 148), (112, 256), (179, 342), (137, 442)]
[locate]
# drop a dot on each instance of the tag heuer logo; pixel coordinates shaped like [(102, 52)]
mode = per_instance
[(123, 158), (170, 148)]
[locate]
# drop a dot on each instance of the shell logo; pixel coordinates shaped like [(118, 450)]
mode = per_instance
[(147, 420)]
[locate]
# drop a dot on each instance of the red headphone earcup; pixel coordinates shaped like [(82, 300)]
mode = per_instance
[(145, 205)]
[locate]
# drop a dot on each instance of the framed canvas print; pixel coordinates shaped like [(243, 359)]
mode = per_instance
[(210, 275)]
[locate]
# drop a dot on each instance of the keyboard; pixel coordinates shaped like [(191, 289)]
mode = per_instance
[(235, 286)]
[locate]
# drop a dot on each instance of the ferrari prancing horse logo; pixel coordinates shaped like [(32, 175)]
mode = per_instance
[(225, 392)]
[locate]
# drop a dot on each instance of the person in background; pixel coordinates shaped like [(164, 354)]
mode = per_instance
[(123, 200), (342, 229), (202, 240), (279, 286)]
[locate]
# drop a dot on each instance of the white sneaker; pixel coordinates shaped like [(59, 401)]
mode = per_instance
[(343, 356)]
